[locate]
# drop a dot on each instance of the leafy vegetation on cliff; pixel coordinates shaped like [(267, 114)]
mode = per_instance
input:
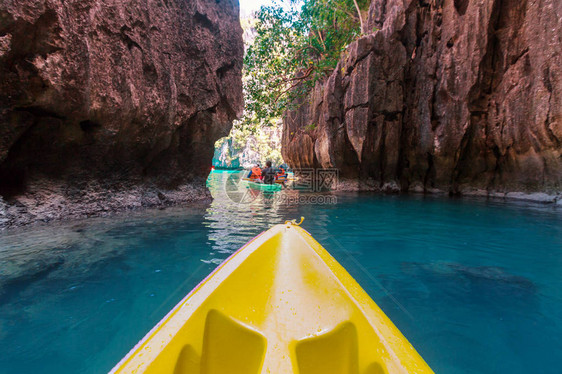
[(289, 47), (293, 48)]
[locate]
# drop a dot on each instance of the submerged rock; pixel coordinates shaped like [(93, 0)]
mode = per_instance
[(473, 279), (450, 96), (125, 96)]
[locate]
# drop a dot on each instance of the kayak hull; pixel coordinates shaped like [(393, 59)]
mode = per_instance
[(262, 186), (281, 304)]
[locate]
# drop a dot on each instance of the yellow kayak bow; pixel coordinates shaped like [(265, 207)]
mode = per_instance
[(281, 304)]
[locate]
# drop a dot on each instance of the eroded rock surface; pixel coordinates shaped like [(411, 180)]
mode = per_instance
[(456, 96), (125, 96)]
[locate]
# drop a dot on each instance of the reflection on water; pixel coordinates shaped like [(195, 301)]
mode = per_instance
[(474, 285)]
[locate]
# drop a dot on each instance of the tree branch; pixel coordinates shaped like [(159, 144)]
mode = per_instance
[(297, 81), (360, 16)]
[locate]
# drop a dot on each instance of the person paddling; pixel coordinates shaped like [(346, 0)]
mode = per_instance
[(268, 173), (255, 173), (281, 176)]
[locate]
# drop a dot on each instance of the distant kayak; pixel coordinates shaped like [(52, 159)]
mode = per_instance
[(262, 186), (280, 304)]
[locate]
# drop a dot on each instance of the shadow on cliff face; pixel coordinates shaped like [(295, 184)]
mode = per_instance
[(55, 148), (13, 182)]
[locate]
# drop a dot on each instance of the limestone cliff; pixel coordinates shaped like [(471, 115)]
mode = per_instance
[(120, 96), (452, 95)]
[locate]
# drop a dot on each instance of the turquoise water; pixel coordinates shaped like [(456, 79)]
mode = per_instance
[(476, 286)]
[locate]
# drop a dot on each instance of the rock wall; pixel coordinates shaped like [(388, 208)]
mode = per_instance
[(445, 95), (100, 95)]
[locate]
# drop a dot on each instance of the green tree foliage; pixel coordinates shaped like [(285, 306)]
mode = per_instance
[(289, 47), (251, 145), (293, 49)]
